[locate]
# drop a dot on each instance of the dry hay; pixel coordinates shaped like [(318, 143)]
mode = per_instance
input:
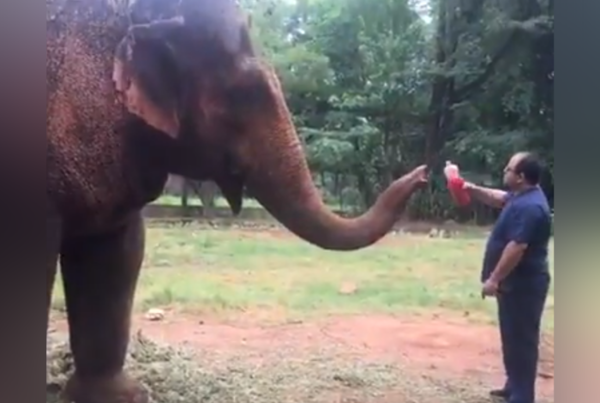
[(174, 375)]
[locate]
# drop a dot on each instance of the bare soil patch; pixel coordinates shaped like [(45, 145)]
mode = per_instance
[(438, 347)]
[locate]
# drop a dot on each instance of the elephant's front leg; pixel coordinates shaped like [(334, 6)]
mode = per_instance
[(100, 276)]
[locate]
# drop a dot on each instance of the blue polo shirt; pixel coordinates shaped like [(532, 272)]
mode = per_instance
[(525, 218)]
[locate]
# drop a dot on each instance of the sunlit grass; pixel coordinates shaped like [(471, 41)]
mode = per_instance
[(228, 272)]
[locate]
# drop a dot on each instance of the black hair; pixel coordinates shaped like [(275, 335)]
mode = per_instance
[(531, 167)]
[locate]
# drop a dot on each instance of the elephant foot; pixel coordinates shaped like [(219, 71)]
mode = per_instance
[(119, 388)]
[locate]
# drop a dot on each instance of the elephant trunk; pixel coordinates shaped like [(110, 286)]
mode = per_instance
[(280, 180)]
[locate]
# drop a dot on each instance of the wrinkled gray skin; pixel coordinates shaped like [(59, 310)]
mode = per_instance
[(126, 106)]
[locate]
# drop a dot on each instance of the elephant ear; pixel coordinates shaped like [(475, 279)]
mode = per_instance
[(172, 71), (149, 76)]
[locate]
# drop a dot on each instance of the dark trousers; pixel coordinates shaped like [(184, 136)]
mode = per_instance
[(520, 310)]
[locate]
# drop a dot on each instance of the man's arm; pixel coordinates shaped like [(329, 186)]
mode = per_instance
[(520, 231), (492, 197)]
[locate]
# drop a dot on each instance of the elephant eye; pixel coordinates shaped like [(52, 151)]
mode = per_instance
[(249, 97)]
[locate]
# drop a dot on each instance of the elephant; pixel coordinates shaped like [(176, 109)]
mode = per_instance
[(136, 92)]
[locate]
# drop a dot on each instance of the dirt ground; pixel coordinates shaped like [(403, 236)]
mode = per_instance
[(435, 345)]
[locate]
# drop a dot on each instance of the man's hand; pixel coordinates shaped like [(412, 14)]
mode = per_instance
[(469, 186), (491, 288)]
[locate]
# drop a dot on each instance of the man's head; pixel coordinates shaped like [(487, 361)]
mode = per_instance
[(524, 170)]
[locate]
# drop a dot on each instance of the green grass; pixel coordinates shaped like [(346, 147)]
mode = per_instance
[(227, 272)]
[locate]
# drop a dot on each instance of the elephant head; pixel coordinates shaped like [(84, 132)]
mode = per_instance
[(198, 79)]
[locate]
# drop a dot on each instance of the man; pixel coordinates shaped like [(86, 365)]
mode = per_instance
[(516, 270)]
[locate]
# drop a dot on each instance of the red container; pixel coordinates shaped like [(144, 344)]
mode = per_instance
[(455, 184), (459, 194)]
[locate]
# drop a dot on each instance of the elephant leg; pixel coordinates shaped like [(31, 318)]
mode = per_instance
[(100, 275)]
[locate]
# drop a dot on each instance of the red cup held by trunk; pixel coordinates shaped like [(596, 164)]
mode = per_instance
[(455, 184)]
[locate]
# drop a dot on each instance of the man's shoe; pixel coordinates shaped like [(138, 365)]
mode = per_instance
[(500, 394)]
